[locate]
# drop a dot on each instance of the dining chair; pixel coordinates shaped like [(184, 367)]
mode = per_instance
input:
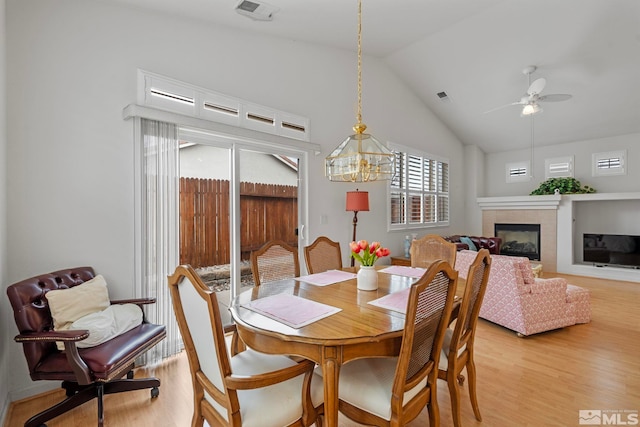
[(322, 255), (247, 389), (430, 248), (393, 391), (457, 350), (275, 260)]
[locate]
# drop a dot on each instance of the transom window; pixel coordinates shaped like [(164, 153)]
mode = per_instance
[(419, 191)]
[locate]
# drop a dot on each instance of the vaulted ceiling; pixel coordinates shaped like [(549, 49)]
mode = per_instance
[(475, 51)]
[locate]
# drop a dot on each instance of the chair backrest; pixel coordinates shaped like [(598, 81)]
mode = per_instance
[(430, 248), (322, 255), (31, 308), (275, 260), (428, 312), (476, 286), (198, 315)]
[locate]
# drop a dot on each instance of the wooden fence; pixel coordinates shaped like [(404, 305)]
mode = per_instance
[(267, 212)]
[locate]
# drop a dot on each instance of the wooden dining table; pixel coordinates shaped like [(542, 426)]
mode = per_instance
[(358, 330)]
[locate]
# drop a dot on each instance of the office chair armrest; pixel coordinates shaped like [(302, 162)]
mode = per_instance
[(136, 301), (80, 369), (70, 335)]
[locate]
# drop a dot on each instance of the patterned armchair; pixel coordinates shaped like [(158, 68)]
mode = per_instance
[(518, 301)]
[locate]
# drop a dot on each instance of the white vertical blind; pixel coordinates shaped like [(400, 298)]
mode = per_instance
[(160, 216)]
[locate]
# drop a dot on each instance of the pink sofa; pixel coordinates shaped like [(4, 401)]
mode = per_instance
[(518, 301)]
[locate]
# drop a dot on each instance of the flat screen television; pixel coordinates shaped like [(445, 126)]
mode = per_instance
[(620, 250)]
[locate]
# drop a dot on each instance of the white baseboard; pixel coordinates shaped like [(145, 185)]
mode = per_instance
[(4, 408), (37, 387)]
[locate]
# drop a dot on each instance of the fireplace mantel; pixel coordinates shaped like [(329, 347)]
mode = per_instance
[(560, 229)]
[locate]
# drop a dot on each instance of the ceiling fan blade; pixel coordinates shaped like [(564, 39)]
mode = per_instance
[(503, 106), (537, 86), (555, 97)]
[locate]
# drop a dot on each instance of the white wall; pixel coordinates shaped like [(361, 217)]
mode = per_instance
[(582, 152), (71, 68), (5, 309), (474, 174)]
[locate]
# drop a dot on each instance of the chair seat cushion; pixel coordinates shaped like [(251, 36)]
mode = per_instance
[(367, 384), (105, 361), (275, 405)]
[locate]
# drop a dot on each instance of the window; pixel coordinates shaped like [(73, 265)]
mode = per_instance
[(609, 163), (419, 191), (168, 94), (517, 172), (558, 167)]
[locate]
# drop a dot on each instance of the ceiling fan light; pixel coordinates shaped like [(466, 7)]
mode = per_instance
[(530, 109)]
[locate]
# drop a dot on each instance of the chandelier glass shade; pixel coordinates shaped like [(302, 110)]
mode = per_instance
[(360, 157)]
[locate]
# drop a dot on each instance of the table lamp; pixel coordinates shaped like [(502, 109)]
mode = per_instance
[(357, 201)]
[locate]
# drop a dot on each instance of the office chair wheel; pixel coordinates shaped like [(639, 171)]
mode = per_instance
[(130, 375), (155, 392)]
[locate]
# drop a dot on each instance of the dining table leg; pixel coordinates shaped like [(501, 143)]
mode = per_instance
[(330, 375)]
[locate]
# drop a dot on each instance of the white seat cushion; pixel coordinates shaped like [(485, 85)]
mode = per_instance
[(276, 405), (366, 384)]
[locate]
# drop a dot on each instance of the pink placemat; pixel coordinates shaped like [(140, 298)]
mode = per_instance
[(402, 270), (291, 310), (327, 277), (396, 301)]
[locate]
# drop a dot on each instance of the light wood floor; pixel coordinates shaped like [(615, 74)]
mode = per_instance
[(542, 380)]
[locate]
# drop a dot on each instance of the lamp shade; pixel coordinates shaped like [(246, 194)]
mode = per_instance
[(530, 109), (357, 201)]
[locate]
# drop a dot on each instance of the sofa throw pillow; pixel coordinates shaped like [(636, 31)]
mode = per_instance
[(469, 242), (69, 305)]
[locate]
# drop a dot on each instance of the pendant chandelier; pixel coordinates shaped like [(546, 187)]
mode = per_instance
[(361, 157)]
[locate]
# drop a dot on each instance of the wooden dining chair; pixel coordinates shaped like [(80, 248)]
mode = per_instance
[(275, 260), (322, 255), (457, 350), (393, 391), (430, 248), (249, 388)]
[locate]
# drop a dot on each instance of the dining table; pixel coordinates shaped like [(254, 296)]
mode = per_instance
[(325, 318)]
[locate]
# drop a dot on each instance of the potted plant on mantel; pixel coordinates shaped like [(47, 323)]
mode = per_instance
[(566, 185)]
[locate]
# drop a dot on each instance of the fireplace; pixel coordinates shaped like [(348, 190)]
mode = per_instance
[(519, 240)]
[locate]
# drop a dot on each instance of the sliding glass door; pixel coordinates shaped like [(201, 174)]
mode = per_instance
[(234, 197)]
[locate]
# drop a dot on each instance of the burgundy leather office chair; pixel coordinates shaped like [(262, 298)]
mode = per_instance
[(86, 373)]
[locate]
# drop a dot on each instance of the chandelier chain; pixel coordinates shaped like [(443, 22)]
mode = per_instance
[(359, 115)]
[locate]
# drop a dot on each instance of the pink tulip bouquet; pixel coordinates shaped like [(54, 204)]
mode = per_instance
[(367, 254)]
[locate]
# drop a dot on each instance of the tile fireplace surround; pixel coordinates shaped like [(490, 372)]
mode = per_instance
[(522, 211), (556, 216)]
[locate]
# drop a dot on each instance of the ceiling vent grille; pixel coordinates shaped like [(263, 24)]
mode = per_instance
[(443, 96), (259, 11)]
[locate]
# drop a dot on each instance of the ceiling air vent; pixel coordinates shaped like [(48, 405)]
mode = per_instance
[(443, 96), (259, 11)]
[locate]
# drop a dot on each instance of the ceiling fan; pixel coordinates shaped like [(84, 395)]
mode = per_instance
[(529, 101)]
